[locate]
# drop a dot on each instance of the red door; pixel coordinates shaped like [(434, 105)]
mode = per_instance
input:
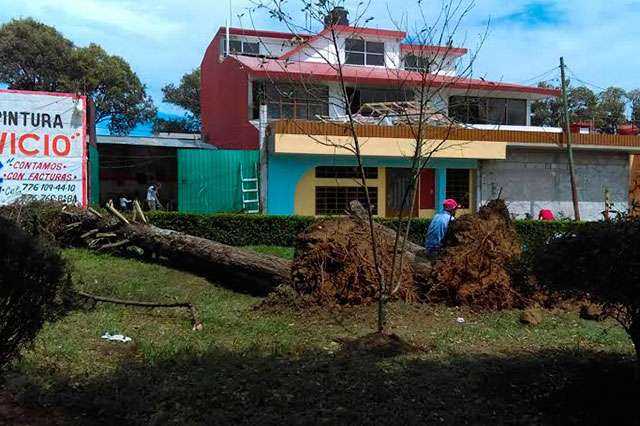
[(427, 189)]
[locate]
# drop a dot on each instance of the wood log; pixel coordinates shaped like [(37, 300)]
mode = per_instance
[(234, 267), (138, 209)]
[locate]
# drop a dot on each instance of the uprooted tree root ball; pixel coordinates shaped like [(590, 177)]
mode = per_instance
[(473, 267), (334, 263)]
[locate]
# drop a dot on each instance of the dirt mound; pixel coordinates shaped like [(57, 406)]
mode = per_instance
[(386, 345), (472, 268), (334, 263), (285, 297)]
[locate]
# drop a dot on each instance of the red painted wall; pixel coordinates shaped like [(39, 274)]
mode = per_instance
[(427, 189), (225, 101)]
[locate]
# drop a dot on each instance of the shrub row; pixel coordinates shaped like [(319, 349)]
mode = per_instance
[(235, 229), (245, 230)]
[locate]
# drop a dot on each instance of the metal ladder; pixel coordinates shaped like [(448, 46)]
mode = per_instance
[(250, 188)]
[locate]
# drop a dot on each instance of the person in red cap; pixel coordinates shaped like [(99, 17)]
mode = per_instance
[(440, 223), (546, 214)]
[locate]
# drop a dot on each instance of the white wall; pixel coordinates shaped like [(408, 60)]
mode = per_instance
[(535, 179), (268, 46), (323, 49)]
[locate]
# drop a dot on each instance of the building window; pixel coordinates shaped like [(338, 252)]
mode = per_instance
[(362, 52), (474, 110), (239, 47), (345, 172), (458, 186), (358, 97), (416, 63), (290, 101), (336, 199)]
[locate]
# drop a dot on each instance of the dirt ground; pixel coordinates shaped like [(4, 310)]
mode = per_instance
[(14, 414)]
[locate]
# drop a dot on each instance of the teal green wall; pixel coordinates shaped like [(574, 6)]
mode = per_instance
[(94, 164), (209, 180)]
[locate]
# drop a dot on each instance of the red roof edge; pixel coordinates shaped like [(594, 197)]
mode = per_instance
[(261, 33), (370, 31), (457, 51), (467, 84)]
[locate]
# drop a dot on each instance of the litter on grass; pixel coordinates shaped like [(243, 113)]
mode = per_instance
[(116, 337)]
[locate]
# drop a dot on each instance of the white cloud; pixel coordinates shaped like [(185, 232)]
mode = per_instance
[(144, 19), (163, 39)]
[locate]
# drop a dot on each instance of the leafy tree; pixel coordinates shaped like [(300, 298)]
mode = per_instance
[(634, 99), (583, 104), (612, 106), (186, 94), (548, 111), (34, 56), (606, 109), (176, 125), (117, 91)]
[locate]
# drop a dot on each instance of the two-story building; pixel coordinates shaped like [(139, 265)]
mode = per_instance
[(307, 84)]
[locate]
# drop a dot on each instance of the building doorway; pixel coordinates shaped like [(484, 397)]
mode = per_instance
[(397, 181)]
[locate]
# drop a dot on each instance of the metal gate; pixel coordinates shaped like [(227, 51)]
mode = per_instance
[(209, 181)]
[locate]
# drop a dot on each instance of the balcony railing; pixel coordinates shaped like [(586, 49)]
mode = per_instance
[(301, 127)]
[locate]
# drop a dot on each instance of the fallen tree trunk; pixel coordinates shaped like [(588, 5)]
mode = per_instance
[(229, 266), (235, 267)]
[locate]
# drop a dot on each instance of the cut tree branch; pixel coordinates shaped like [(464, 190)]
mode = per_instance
[(197, 324)]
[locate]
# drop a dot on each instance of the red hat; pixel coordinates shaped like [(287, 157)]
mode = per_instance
[(451, 204)]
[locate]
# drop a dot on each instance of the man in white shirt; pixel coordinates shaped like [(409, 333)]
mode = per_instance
[(152, 197)]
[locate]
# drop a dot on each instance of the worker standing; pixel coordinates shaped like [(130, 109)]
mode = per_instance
[(440, 223), (152, 197)]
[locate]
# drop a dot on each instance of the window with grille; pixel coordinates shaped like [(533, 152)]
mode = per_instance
[(362, 52), (474, 110), (239, 47), (345, 172), (332, 200), (458, 186), (293, 101)]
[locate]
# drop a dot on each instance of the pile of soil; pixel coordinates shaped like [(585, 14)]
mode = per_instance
[(382, 344), (334, 263), (472, 267)]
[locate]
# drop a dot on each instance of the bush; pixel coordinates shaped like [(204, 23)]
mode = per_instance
[(33, 286), (248, 230), (235, 229), (600, 261)]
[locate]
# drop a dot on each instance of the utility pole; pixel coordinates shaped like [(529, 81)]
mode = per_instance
[(567, 132)]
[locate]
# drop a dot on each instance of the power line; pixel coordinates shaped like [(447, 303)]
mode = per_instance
[(539, 76), (582, 81)]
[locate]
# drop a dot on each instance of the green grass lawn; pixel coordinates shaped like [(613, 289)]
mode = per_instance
[(267, 366), (280, 251)]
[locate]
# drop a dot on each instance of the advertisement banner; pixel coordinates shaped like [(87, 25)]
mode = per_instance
[(42, 147)]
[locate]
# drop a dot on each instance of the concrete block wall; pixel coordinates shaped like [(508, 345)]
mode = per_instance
[(535, 179)]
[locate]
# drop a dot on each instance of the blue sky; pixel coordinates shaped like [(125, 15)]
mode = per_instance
[(163, 39)]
